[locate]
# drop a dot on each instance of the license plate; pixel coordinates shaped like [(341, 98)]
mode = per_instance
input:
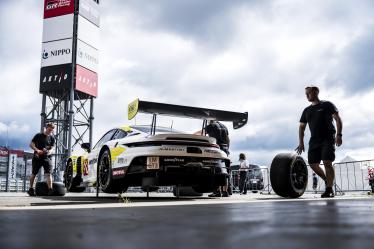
[(153, 162), (254, 180)]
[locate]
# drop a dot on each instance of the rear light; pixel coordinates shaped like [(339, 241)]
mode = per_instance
[(215, 146)]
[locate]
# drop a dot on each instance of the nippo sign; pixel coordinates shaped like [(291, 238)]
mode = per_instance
[(54, 8)]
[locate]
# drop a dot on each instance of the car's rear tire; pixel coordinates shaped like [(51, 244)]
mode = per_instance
[(72, 183), (288, 175)]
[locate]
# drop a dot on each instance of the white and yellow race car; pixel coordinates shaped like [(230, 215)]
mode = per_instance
[(150, 156)]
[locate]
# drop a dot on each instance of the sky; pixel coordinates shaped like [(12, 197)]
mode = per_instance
[(245, 56)]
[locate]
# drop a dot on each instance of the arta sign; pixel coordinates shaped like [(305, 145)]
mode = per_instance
[(54, 78)]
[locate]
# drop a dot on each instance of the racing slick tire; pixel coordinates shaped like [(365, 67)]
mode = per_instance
[(288, 175), (186, 191), (41, 189), (72, 183), (105, 175)]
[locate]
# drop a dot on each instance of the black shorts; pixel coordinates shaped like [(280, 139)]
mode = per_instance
[(318, 151), (37, 163)]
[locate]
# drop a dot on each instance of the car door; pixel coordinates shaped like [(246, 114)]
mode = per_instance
[(93, 156)]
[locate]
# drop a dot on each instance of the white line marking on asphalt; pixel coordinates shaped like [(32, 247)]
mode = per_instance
[(170, 203)]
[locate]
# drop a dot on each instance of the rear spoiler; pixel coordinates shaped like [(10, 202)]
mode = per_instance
[(239, 119)]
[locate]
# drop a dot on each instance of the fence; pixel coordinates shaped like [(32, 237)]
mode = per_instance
[(349, 176), (14, 185)]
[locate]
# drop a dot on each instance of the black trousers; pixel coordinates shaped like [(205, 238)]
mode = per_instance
[(243, 178)]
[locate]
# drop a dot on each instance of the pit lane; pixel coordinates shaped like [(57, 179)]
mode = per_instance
[(162, 221)]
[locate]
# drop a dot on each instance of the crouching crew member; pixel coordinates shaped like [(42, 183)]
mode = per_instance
[(42, 144)]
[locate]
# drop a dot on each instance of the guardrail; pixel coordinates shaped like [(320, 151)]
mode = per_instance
[(14, 185)]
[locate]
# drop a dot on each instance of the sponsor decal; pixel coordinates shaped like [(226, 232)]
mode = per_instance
[(87, 56), (85, 167), (118, 172), (57, 52), (90, 10), (174, 160), (122, 160), (211, 151), (92, 161), (86, 81), (54, 8), (58, 28), (165, 148), (55, 78), (88, 32)]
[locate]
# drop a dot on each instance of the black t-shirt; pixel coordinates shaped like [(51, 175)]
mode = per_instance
[(319, 119), (219, 132), (43, 141)]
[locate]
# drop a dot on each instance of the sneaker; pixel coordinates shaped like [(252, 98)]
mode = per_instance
[(31, 192), (215, 194), (328, 193), (225, 194), (50, 192)]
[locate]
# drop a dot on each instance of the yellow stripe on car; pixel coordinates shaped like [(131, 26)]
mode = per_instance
[(115, 152), (126, 128)]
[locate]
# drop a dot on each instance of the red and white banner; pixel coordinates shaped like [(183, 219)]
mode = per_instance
[(54, 8), (86, 81)]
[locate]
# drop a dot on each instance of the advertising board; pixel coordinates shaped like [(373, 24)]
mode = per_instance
[(86, 81)]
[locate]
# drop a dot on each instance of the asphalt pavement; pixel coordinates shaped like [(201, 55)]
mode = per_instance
[(162, 221)]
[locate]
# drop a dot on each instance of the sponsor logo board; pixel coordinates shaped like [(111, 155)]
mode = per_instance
[(58, 28), (57, 52), (87, 56), (88, 32), (86, 81), (54, 78), (90, 10), (54, 8)]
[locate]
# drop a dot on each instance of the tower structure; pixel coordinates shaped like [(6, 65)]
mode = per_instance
[(69, 73)]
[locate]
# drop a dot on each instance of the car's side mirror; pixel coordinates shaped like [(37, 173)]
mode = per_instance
[(86, 147)]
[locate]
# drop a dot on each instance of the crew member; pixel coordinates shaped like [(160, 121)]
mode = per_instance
[(243, 173), (319, 116), (42, 145), (221, 134)]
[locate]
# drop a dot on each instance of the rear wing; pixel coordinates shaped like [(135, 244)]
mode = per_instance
[(239, 119)]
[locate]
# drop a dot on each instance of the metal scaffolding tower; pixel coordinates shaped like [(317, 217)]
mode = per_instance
[(68, 79), (73, 125)]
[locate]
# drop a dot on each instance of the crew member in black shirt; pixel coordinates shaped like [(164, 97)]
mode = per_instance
[(319, 116), (42, 144)]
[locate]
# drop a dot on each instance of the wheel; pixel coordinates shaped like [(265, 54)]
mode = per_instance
[(72, 183), (106, 182), (41, 189), (288, 175)]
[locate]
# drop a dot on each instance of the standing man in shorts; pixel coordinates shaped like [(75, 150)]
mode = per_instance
[(42, 145), (319, 116)]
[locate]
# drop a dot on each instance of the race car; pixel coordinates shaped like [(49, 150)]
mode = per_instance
[(151, 156)]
